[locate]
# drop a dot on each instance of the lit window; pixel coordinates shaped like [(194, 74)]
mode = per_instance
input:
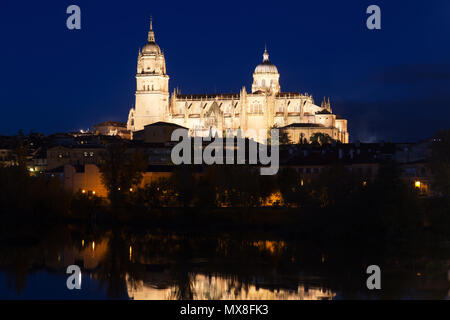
[(418, 184)]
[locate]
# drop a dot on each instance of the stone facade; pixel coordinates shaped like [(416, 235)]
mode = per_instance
[(112, 128), (265, 107)]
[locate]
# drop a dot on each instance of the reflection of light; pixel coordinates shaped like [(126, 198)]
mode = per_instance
[(93, 245), (418, 184), (82, 243), (131, 252), (223, 288)]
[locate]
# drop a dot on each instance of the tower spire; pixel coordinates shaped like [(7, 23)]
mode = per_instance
[(266, 54), (151, 33)]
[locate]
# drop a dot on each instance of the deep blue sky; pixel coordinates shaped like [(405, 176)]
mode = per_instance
[(391, 84)]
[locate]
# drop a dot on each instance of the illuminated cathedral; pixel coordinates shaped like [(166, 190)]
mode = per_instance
[(265, 107)]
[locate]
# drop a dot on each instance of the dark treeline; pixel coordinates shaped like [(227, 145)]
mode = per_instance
[(339, 205)]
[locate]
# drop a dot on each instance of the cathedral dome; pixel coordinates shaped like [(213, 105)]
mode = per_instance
[(266, 66), (151, 47)]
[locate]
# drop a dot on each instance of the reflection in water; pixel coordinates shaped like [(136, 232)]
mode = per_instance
[(154, 265), (219, 288)]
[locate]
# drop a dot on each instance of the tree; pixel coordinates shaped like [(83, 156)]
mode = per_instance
[(121, 170), (320, 138), (440, 162), (183, 182), (283, 136)]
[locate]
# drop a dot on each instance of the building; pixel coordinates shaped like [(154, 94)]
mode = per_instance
[(265, 107), (112, 128), (87, 178), (58, 156), (158, 132)]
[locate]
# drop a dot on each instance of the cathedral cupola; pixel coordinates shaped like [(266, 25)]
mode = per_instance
[(151, 47), (266, 66), (266, 77)]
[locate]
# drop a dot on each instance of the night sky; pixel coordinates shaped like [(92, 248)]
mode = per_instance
[(391, 84)]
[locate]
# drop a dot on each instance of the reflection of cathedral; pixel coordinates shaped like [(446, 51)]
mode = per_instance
[(265, 107)]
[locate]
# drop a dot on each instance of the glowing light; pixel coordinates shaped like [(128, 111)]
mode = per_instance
[(418, 184), (364, 183), (301, 182), (131, 189), (83, 191), (93, 245), (131, 252), (82, 243), (93, 192)]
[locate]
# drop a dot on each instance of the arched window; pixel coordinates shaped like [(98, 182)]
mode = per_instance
[(263, 82)]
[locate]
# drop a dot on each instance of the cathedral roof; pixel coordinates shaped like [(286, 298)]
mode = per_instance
[(207, 96), (266, 66), (164, 124), (304, 125), (324, 111)]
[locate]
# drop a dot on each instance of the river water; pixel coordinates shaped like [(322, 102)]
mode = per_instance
[(163, 266)]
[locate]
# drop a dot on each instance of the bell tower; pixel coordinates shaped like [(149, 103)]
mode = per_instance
[(152, 86)]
